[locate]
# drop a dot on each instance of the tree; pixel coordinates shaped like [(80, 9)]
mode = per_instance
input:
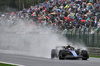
[(18, 4)]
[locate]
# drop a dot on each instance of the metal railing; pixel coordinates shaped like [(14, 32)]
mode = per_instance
[(88, 36)]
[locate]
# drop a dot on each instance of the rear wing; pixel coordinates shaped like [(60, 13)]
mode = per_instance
[(63, 47)]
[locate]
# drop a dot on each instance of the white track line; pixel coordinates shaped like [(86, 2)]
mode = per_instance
[(11, 63)]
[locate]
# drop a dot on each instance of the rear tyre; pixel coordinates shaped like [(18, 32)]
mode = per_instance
[(61, 55), (84, 54), (53, 54)]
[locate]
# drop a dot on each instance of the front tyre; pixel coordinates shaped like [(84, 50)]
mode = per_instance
[(85, 55), (61, 55)]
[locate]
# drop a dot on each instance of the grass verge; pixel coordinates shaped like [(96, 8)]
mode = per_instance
[(95, 56), (2, 64)]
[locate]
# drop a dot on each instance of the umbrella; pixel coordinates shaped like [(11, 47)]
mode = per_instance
[(66, 18), (12, 13), (33, 14), (66, 6), (53, 13), (39, 18), (47, 6), (89, 4), (58, 10), (83, 20), (80, 18), (2, 15)]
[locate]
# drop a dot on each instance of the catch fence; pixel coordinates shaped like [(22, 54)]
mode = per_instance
[(88, 36)]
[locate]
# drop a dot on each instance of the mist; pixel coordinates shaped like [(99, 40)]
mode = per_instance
[(24, 38), (27, 39)]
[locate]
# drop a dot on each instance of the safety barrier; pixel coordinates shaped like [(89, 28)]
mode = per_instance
[(94, 51)]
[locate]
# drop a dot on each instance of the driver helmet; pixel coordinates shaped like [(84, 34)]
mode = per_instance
[(68, 45)]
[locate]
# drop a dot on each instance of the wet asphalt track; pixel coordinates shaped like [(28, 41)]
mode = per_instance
[(34, 61)]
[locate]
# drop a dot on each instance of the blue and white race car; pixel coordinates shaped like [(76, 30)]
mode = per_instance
[(68, 52)]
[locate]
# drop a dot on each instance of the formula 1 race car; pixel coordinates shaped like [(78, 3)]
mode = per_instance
[(68, 52)]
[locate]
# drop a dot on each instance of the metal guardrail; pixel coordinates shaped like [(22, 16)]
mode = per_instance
[(94, 51)]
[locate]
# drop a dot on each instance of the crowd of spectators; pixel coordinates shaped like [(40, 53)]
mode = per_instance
[(64, 14)]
